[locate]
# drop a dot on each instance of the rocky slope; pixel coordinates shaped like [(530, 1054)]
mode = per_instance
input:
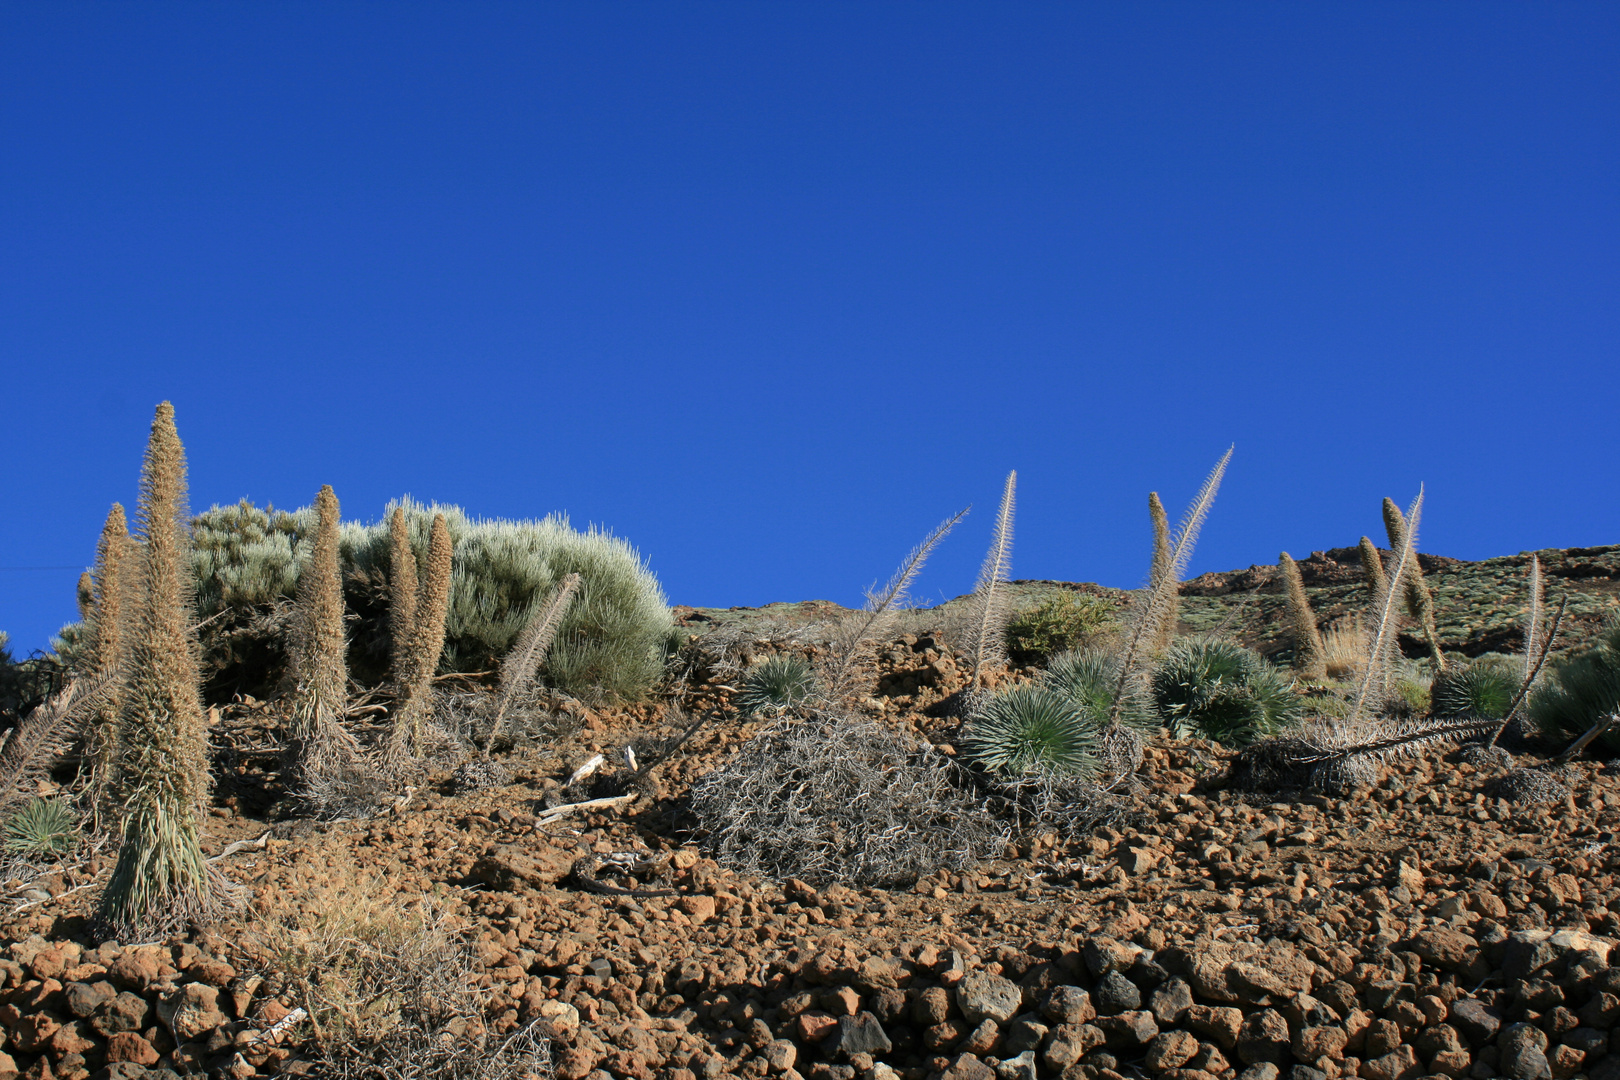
[(1434, 924)]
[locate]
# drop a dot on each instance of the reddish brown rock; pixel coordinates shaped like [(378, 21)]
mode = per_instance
[(1263, 1038), (1171, 1050), (1220, 1023), (32, 1034), (128, 1046), (1400, 1064)]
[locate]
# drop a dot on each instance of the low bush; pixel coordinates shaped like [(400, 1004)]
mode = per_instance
[(846, 801), (1065, 622), (1580, 690), (1216, 689)]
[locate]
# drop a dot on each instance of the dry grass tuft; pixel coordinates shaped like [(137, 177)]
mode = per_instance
[(390, 994), (1344, 649)]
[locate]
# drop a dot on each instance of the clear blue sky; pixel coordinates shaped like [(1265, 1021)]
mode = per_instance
[(770, 289)]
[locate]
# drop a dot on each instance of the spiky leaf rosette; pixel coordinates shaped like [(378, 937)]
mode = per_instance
[(1485, 688), (161, 880), (43, 827), (1090, 679), (775, 685), (1031, 727), (1216, 689), (1581, 690)]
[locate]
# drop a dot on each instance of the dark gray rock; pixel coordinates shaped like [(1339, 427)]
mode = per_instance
[(1116, 994), (1475, 1021), (1170, 1000), (1025, 1033), (1607, 1069), (1067, 1005), (1147, 972), (1263, 1038), (1129, 1029), (83, 999), (982, 996), (1523, 1053), (859, 1034), (1589, 1041), (1263, 1071)]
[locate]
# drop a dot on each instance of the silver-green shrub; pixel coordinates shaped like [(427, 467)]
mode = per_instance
[(610, 644), (246, 557)]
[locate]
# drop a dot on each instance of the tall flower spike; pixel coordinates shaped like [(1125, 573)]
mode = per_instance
[(1162, 555), (880, 609), (401, 593), (426, 642), (1310, 657), (320, 646), (1372, 567), (1149, 614), (1419, 602), (160, 880), (109, 610), (1375, 680), (987, 628)]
